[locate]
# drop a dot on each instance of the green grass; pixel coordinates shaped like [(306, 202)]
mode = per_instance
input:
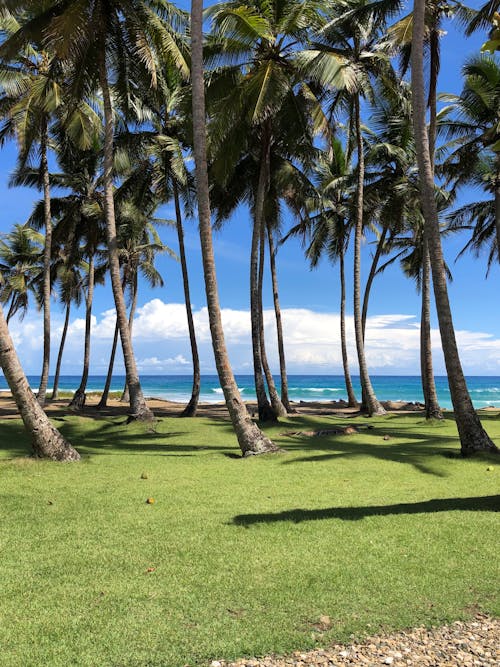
[(247, 554)]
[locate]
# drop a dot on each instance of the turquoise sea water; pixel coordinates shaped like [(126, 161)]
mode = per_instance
[(484, 390)]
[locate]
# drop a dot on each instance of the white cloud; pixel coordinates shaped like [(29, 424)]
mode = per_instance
[(312, 341)]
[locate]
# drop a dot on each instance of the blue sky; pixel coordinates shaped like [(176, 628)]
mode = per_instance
[(309, 298)]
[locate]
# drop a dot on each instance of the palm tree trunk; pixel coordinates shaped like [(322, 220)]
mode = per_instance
[(46, 440), (432, 409), (371, 276), (276, 403), (125, 397), (279, 326), (351, 396), (55, 388), (472, 435), (372, 404), (77, 403), (139, 409), (47, 252), (107, 385), (266, 412), (191, 407), (250, 438)]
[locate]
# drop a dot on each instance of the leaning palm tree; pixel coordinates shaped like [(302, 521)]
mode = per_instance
[(111, 46), (250, 438), (47, 442), (473, 437)]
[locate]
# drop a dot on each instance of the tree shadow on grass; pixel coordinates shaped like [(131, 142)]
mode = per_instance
[(389, 439), (473, 504)]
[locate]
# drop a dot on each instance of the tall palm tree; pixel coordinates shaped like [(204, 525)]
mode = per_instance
[(262, 38), (326, 224), (472, 435), (47, 442), (113, 46), (346, 55), (250, 438)]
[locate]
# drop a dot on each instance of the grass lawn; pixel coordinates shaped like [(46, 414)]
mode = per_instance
[(238, 557)]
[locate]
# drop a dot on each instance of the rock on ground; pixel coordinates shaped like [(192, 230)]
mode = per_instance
[(474, 643)]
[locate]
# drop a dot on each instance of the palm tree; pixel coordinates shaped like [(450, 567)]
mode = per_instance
[(472, 435), (473, 123), (136, 202), (111, 46), (47, 442), (70, 282), (345, 57), (21, 253), (326, 224), (262, 37), (250, 438)]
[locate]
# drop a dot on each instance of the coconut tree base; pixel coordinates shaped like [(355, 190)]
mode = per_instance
[(267, 414), (260, 444), (190, 409), (77, 403)]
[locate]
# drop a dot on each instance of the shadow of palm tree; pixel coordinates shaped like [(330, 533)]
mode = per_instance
[(473, 504)]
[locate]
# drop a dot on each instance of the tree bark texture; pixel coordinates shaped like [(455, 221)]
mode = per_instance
[(107, 385), (373, 406), (191, 407), (125, 397), (77, 403), (55, 388), (351, 396), (279, 325), (266, 412), (432, 409), (276, 403), (47, 442), (47, 255), (250, 438), (139, 409), (472, 435)]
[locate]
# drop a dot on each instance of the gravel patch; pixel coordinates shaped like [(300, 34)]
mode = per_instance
[(472, 643)]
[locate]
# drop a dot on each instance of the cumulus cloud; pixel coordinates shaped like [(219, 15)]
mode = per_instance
[(312, 341)]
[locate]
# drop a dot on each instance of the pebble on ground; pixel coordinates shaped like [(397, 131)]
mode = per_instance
[(474, 643)]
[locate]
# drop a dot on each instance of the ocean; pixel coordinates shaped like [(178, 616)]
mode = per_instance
[(484, 390)]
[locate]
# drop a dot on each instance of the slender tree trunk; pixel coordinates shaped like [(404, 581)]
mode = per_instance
[(372, 404), (351, 396), (125, 397), (432, 409), (276, 403), (46, 440), (266, 412), (250, 438), (77, 403), (279, 326), (191, 407), (371, 276), (472, 435), (47, 252), (107, 385), (55, 388), (139, 409)]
